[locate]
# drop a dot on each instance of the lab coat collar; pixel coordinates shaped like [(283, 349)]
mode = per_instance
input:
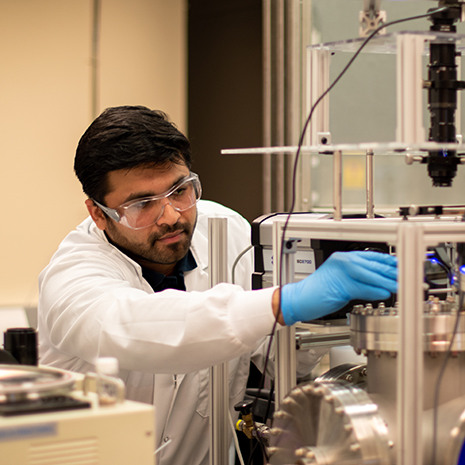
[(199, 246)]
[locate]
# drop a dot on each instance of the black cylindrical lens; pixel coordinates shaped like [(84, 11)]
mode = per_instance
[(21, 343)]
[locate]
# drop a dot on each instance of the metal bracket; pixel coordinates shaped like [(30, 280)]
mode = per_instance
[(371, 18)]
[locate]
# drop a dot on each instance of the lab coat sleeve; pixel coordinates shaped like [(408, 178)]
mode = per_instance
[(88, 311)]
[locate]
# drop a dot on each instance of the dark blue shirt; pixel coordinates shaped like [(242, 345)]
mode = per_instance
[(160, 282)]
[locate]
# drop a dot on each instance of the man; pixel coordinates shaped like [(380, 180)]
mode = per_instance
[(117, 284)]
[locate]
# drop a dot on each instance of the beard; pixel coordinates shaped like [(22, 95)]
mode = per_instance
[(153, 250), (167, 254)]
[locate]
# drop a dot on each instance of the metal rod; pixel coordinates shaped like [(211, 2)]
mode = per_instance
[(286, 365), (219, 387), (293, 92), (311, 340), (411, 251), (266, 12), (337, 184), (280, 104), (369, 184), (410, 128)]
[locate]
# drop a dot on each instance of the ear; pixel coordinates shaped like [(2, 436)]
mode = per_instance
[(97, 215)]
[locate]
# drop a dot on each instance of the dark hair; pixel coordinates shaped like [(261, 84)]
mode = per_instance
[(123, 138)]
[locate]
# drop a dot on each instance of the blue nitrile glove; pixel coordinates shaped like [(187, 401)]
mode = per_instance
[(343, 277)]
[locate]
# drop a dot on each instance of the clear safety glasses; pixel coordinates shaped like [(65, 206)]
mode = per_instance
[(144, 212)]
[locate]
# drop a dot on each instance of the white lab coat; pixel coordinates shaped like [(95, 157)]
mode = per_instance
[(94, 302)]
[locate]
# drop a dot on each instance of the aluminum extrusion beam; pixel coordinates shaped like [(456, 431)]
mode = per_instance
[(219, 388)]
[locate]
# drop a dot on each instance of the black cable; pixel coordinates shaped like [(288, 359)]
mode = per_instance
[(268, 405), (253, 448)]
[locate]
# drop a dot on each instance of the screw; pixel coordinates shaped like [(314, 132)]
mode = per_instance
[(349, 378)]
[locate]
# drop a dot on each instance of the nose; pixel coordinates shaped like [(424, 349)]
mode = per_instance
[(168, 214)]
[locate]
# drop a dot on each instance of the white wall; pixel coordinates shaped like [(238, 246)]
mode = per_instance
[(45, 105)]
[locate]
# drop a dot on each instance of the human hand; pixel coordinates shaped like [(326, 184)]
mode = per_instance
[(343, 277)]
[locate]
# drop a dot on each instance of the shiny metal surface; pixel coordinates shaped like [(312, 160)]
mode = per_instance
[(456, 437), (218, 386), (330, 424), (378, 329), (25, 382), (328, 333), (353, 374), (414, 402)]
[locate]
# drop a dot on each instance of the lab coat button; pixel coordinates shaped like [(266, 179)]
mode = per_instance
[(166, 439)]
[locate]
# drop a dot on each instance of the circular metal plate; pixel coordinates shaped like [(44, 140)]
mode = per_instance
[(329, 424), (20, 382), (380, 332)]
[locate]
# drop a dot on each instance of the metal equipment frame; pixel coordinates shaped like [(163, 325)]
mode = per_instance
[(410, 238)]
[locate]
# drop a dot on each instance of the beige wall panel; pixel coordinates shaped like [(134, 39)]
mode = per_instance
[(45, 105), (44, 93), (143, 56)]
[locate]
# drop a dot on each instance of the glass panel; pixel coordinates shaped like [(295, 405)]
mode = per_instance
[(363, 109)]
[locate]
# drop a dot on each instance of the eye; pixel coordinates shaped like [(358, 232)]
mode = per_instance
[(180, 191), (142, 205), (147, 204)]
